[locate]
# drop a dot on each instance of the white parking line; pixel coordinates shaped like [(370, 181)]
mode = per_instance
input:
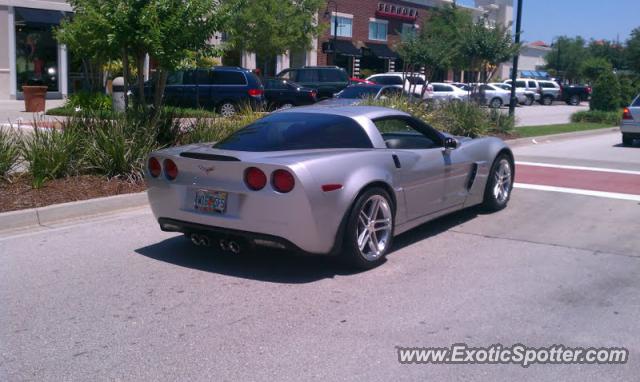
[(577, 191), (579, 168)]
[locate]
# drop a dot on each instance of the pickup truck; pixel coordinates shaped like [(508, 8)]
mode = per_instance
[(575, 94)]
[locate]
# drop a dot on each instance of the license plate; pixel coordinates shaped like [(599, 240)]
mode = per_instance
[(210, 201)]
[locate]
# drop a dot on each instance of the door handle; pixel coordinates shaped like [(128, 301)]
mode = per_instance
[(396, 161)]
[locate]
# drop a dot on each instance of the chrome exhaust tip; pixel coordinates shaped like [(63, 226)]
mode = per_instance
[(224, 245), (234, 247)]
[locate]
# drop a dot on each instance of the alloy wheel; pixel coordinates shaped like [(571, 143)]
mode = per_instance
[(227, 109), (502, 184), (374, 228)]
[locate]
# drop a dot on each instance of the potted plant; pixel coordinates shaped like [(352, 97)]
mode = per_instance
[(35, 94)]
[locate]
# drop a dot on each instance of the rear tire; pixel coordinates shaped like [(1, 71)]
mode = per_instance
[(574, 100), (228, 109), (547, 100), (369, 231), (627, 140), (499, 185), (529, 101)]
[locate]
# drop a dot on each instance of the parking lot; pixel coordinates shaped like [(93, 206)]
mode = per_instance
[(537, 114), (114, 298)]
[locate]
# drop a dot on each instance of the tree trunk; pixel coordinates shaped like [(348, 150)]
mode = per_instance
[(140, 58), (161, 82), (125, 76)]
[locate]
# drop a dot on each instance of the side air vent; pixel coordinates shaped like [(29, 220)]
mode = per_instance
[(204, 156), (472, 176)]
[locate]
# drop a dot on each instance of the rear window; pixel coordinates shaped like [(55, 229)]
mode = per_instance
[(415, 80), (358, 92), (297, 131), (636, 103), (387, 80)]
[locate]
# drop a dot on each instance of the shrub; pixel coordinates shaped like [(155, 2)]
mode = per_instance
[(215, 129), (51, 153), (596, 116), (628, 90), (606, 93), (501, 122), (9, 152), (88, 101)]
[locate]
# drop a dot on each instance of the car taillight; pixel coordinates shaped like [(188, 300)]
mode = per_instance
[(626, 114), (170, 169), (589, 89), (154, 167), (255, 92), (255, 178), (282, 181), (314, 93)]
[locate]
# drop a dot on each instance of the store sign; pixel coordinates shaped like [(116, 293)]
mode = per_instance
[(400, 12)]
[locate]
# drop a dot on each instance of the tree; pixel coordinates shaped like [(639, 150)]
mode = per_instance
[(592, 68), (487, 47), (606, 93), (632, 51), (565, 57), (164, 29), (271, 27), (609, 51)]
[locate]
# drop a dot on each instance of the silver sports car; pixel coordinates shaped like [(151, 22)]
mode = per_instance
[(325, 180)]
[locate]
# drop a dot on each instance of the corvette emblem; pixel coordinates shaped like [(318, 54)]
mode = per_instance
[(205, 169)]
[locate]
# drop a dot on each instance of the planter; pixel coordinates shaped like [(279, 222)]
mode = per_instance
[(34, 98)]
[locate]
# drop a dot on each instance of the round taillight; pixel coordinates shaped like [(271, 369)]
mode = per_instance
[(255, 178), (170, 169), (154, 167), (282, 181)]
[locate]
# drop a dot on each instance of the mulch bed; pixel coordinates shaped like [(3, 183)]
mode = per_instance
[(19, 194)]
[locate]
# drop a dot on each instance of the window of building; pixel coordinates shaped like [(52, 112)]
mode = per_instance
[(345, 25), (378, 30)]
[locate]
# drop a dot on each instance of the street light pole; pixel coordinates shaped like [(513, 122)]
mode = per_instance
[(514, 70)]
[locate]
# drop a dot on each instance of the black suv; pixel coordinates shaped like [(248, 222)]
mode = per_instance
[(222, 88), (327, 80)]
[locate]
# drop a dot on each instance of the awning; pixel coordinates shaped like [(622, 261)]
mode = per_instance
[(382, 51), (38, 16), (346, 48)]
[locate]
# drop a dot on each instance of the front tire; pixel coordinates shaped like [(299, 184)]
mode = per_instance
[(529, 101), (499, 185), (369, 233), (495, 103)]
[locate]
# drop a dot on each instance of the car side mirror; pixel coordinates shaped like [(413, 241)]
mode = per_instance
[(451, 143)]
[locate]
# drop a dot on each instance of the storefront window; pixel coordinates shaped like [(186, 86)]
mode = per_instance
[(36, 48), (378, 30), (345, 26)]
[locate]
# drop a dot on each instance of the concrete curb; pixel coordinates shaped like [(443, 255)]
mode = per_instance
[(55, 213), (558, 137)]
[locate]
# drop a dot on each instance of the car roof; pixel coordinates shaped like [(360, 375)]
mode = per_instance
[(370, 112)]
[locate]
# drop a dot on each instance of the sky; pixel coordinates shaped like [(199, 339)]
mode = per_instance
[(597, 19)]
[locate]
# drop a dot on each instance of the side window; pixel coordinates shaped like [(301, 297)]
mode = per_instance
[(485, 87), (204, 77), (438, 88), (521, 84), (189, 77), (288, 75), (331, 75), (175, 78), (532, 84), (307, 75), (221, 77), (547, 85), (407, 134)]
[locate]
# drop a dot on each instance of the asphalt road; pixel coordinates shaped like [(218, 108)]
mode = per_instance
[(116, 299)]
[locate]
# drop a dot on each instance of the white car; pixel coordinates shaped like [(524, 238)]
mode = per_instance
[(443, 92), (630, 125), (525, 97), (413, 84), (528, 85), (492, 96)]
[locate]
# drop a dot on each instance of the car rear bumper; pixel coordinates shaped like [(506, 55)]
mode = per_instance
[(630, 128)]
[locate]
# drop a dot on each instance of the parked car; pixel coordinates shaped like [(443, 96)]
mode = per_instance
[(575, 94), (285, 94), (549, 91), (463, 86), (356, 80), (354, 94), (630, 125), (221, 88), (525, 97), (491, 95), (528, 85), (443, 92), (411, 83), (327, 80), (329, 181)]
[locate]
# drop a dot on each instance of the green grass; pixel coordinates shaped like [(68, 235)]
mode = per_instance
[(535, 131)]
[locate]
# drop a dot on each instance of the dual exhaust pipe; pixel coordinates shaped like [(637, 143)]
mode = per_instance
[(225, 245)]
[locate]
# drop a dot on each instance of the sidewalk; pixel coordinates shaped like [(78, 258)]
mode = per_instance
[(12, 111)]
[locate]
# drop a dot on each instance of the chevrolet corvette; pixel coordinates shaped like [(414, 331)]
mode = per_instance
[(325, 180)]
